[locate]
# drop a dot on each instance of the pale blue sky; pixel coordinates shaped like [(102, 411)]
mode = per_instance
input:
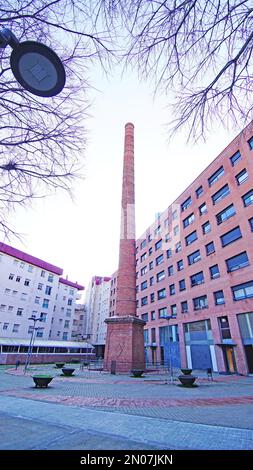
[(82, 237)]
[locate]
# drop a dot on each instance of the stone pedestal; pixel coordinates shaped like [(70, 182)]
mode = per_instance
[(124, 344)]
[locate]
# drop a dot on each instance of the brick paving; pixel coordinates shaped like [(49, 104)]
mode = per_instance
[(223, 406)]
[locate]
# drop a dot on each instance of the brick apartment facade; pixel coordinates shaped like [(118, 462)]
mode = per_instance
[(195, 263)]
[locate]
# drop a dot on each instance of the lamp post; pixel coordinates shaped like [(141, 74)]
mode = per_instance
[(29, 353), (170, 317), (35, 66)]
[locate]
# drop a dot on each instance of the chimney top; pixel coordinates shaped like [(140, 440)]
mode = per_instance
[(129, 124)]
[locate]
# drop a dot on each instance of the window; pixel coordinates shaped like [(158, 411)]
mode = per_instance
[(170, 270), (161, 294), (30, 268), (184, 306), (199, 191), (237, 262), (37, 300), (65, 336), (144, 301), (225, 214), (186, 204), (152, 297), (158, 230), (160, 276), (48, 290), (7, 291), (223, 192), (39, 333), (172, 289), (23, 296), (243, 291), (18, 278), (70, 301), (153, 315), (219, 297), (2, 307), (242, 176), (188, 220), (158, 245), (144, 270), (14, 293), (206, 227), (202, 209), (180, 265), (143, 257), (251, 224), (178, 247), (5, 326), (150, 251), (197, 279), (150, 237), (248, 198), (66, 324), (194, 257), (216, 176), (68, 312), (20, 312), (182, 284), (173, 309), (210, 248), (11, 276), (144, 316), (45, 303), (27, 282), (151, 265), (169, 251), (224, 328), (143, 244), (159, 260), (15, 328), (174, 215), (144, 285), (191, 238), (214, 271), (43, 317), (231, 236), (43, 273), (50, 278), (162, 312), (167, 237), (235, 158), (250, 142), (200, 303), (10, 308), (176, 230)]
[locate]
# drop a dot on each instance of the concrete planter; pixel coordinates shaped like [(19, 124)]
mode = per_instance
[(67, 371), (137, 373), (42, 381), (59, 364), (187, 380)]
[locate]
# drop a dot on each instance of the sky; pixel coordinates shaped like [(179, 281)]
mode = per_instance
[(82, 236)]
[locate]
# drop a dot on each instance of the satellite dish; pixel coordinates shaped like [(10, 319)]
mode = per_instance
[(37, 68)]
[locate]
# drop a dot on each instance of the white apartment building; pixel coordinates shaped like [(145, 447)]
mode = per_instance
[(63, 318), (31, 287), (97, 306)]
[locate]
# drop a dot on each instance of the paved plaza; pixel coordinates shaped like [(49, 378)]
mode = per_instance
[(97, 410)]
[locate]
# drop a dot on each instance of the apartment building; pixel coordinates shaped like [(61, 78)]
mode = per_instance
[(97, 306), (194, 269), (31, 287)]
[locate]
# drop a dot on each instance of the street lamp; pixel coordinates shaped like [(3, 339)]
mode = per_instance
[(29, 353), (35, 66), (170, 317)]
